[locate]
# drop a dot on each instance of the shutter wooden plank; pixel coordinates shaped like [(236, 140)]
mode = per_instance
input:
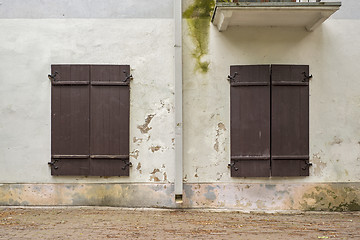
[(70, 120), (109, 120), (290, 121), (250, 121)]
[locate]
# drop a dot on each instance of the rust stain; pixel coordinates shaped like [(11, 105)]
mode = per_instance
[(144, 128), (155, 148), (138, 166), (196, 175), (134, 154), (165, 176)]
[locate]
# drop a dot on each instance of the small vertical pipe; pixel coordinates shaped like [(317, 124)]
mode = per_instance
[(178, 102)]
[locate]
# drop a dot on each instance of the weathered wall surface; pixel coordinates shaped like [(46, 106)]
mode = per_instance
[(332, 53), (30, 43), (29, 47)]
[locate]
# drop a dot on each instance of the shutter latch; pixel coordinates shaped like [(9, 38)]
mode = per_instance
[(308, 164), (231, 78), (232, 165), (52, 163), (127, 163), (306, 78)]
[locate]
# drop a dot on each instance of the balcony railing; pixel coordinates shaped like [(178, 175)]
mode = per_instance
[(235, 1)]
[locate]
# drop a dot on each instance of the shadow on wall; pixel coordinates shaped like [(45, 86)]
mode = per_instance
[(254, 45)]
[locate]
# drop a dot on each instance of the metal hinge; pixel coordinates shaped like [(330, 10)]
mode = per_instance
[(306, 78), (52, 76), (308, 164), (127, 163), (232, 78), (232, 165), (53, 162), (127, 76)]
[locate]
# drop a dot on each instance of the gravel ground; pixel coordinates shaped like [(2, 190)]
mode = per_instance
[(122, 223)]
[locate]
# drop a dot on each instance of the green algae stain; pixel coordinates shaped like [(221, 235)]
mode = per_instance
[(333, 199), (198, 17)]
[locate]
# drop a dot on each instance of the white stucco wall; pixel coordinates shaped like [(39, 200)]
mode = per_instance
[(332, 52), (28, 47)]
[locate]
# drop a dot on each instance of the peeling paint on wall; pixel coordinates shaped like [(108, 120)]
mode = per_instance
[(155, 148), (144, 128), (134, 154)]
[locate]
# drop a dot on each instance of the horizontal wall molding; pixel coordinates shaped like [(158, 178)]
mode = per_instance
[(246, 197)]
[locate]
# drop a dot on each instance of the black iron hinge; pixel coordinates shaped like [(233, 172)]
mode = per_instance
[(307, 165), (53, 162), (127, 163), (127, 76), (232, 165), (52, 76), (306, 78), (232, 78)]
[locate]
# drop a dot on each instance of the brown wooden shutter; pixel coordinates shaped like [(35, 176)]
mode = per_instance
[(290, 120), (70, 120), (250, 121), (109, 120), (90, 120)]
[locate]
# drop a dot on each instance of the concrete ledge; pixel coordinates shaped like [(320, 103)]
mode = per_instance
[(245, 197)]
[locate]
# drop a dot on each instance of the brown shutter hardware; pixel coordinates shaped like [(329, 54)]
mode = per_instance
[(90, 120), (273, 101)]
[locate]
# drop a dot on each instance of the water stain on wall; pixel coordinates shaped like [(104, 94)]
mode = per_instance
[(318, 165), (220, 128), (198, 17), (331, 198), (336, 140)]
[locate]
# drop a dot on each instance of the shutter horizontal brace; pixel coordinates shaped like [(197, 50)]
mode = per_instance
[(250, 84), (109, 156), (289, 83), (103, 83), (69, 156), (250, 158), (70, 82), (293, 157)]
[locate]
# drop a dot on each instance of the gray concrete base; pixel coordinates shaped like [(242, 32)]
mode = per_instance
[(247, 197)]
